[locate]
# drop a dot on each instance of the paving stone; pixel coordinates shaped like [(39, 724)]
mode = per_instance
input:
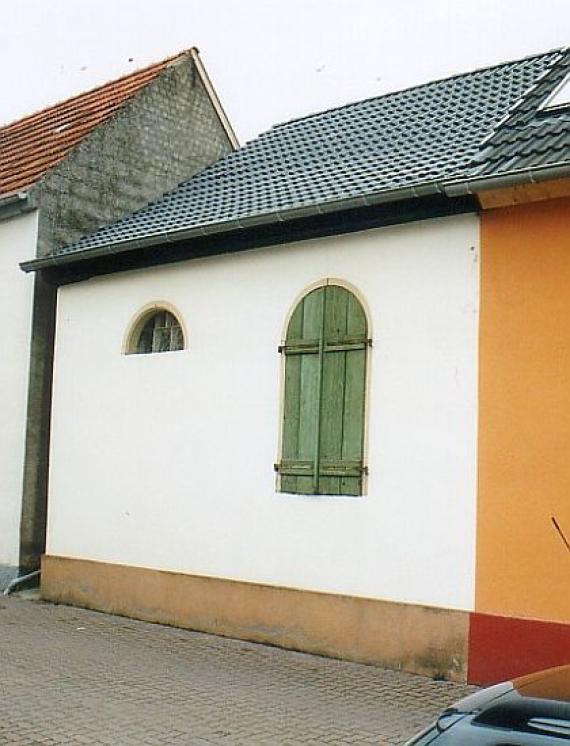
[(73, 676)]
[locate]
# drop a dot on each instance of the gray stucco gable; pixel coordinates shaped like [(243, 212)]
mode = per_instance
[(167, 132)]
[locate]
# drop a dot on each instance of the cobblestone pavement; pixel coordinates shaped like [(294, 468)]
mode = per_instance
[(71, 676)]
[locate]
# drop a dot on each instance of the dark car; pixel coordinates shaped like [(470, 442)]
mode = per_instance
[(533, 709)]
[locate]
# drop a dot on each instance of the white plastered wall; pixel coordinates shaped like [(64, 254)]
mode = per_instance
[(17, 243), (166, 461)]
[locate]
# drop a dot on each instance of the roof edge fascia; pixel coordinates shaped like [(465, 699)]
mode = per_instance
[(214, 98), (532, 175), (451, 189), (379, 198)]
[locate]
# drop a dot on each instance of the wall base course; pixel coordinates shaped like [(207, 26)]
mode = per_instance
[(419, 639)]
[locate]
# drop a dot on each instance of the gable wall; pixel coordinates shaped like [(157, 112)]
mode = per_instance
[(17, 240), (166, 461), (165, 134)]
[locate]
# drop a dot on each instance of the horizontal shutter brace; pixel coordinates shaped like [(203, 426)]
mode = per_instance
[(307, 347), (326, 468)]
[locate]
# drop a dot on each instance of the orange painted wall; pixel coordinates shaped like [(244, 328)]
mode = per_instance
[(523, 567)]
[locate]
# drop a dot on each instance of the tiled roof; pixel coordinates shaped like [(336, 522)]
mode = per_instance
[(33, 145), (530, 137), (397, 145)]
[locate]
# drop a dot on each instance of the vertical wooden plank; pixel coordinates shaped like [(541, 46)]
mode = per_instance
[(354, 397), (332, 400), (309, 386), (292, 400), (356, 318), (295, 326), (336, 315), (291, 408), (332, 417), (313, 314), (353, 436)]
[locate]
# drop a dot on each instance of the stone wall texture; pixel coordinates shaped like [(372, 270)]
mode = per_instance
[(165, 134)]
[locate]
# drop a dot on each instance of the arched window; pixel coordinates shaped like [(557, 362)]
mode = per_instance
[(156, 331), (325, 388)]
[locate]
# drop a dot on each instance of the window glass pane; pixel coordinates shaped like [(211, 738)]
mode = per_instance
[(145, 339), (161, 339), (160, 333)]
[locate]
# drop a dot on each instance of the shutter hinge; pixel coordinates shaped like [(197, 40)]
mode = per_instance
[(280, 348), (369, 342), (276, 467)]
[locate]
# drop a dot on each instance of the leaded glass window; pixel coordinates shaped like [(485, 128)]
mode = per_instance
[(160, 332)]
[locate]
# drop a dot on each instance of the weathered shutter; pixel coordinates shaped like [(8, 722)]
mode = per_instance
[(325, 374)]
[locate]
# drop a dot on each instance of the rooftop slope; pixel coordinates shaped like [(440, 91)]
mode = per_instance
[(31, 146), (410, 138)]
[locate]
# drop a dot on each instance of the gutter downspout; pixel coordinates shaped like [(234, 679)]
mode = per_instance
[(18, 581)]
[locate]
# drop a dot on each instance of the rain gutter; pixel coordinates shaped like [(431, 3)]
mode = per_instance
[(531, 175), (282, 216)]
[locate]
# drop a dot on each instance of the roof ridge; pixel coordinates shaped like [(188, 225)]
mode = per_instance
[(415, 87), (164, 62)]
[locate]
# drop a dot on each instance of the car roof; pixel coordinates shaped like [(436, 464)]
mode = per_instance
[(554, 683)]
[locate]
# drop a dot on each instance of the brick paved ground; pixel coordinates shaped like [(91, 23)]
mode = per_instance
[(78, 677)]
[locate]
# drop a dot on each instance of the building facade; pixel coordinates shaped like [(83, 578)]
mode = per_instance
[(329, 411), (65, 172)]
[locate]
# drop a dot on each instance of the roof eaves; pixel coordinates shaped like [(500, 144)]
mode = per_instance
[(408, 192), (475, 184)]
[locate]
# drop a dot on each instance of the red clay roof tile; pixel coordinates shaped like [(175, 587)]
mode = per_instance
[(31, 146)]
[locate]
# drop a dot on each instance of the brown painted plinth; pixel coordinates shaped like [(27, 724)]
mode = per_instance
[(419, 639)]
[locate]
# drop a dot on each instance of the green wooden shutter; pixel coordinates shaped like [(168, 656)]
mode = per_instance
[(325, 377)]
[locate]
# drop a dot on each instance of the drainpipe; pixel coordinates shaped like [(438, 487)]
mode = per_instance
[(18, 581)]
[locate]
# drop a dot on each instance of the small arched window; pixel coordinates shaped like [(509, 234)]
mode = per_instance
[(157, 331), (322, 451)]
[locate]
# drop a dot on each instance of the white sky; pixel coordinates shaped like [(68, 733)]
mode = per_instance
[(270, 60)]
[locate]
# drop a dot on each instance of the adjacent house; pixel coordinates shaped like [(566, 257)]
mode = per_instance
[(64, 172), (318, 395)]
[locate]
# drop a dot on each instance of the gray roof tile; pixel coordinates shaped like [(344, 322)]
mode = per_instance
[(424, 134), (530, 137)]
